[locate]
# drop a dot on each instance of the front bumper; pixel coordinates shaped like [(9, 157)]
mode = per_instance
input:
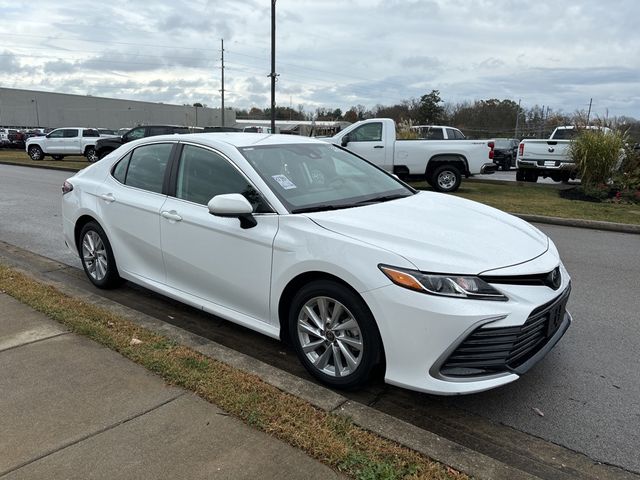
[(420, 332)]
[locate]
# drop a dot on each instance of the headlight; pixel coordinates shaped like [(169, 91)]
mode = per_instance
[(460, 286)]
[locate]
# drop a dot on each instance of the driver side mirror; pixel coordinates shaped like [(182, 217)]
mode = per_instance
[(233, 205), (345, 140)]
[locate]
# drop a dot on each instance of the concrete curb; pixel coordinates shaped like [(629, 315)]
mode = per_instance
[(474, 464), (46, 167), (577, 223)]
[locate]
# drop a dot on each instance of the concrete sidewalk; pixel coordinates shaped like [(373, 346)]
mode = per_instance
[(70, 408)]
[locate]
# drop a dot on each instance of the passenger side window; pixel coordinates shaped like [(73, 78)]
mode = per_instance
[(451, 134), (370, 132), (70, 132), (203, 174), (147, 166), (90, 132), (459, 135)]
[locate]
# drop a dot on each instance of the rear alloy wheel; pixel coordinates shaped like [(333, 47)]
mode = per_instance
[(97, 257), (446, 178), (91, 155), (36, 153), (334, 334)]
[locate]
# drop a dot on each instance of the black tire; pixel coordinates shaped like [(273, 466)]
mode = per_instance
[(57, 157), (35, 153), (446, 178), (91, 154), (102, 270), (103, 153), (506, 166), (530, 176), (520, 175), (365, 333)]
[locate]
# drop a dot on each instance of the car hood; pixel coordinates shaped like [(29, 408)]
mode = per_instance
[(440, 233)]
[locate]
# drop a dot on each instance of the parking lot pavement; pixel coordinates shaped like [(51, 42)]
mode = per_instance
[(74, 409)]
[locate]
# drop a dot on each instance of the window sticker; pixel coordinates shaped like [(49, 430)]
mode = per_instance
[(284, 182)]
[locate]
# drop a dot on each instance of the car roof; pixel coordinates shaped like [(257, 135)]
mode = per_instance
[(240, 139)]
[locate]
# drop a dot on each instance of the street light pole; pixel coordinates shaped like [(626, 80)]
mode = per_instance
[(273, 74), (34, 101)]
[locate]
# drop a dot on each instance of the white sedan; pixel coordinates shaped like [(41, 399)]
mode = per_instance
[(307, 242)]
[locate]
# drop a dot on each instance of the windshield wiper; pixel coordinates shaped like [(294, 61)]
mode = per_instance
[(321, 208), (383, 198)]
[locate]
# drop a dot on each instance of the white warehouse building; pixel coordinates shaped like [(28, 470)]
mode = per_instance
[(33, 108)]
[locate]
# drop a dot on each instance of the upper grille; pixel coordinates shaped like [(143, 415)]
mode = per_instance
[(494, 350)]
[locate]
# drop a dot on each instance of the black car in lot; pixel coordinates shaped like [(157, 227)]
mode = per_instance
[(104, 146), (505, 151)]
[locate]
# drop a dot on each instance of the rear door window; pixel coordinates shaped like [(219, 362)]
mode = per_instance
[(70, 133), (147, 165)]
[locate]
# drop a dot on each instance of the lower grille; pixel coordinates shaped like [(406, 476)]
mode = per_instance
[(495, 350)]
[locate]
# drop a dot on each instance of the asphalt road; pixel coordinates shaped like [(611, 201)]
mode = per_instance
[(587, 388)]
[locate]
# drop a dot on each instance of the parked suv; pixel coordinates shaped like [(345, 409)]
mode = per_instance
[(105, 146), (505, 151), (63, 142)]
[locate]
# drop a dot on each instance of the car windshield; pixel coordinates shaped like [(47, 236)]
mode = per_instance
[(503, 144), (316, 177)]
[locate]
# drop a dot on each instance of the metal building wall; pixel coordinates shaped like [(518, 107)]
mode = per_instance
[(31, 108)]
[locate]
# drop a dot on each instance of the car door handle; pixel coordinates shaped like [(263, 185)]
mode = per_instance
[(172, 215), (379, 146), (108, 197)]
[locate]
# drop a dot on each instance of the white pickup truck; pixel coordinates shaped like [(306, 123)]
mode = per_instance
[(441, 162), (63, 142), (550, 157)]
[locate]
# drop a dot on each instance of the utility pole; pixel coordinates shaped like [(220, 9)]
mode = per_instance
[(589, 112), (273, 74), (517, 118), (222, 89)]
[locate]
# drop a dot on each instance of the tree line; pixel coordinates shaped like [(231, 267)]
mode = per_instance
[(478, 119)]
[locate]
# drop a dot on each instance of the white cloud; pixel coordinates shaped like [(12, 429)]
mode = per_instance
[(331, 53)]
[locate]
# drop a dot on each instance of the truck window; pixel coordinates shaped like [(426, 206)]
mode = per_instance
[(134, 134), (458, 134), (370, 132), (90, 132), (70, 132), (565, 134), (433, 134)]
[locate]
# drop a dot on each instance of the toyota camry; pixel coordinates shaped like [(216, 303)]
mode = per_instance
[(306, 242)]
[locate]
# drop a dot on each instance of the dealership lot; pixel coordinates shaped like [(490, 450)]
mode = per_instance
[(587, 388)]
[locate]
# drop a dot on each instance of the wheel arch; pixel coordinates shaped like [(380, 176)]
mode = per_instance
[(458, 161), (80, 223), (296, 283)]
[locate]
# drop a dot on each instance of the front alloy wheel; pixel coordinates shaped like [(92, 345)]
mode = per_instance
[(36, 153), (334, 334), (330, 336)]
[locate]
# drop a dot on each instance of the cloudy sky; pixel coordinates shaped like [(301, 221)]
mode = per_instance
[(330, 53)]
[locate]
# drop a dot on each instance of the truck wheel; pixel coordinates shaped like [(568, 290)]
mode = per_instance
[(531, 176), (57, 157), (446, 178), (520, 175), (91, 154), (36, 153)]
